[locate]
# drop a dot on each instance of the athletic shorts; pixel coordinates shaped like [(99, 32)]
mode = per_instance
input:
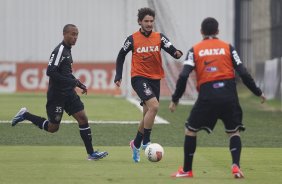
[(146, 88), (205, 114), (57, 103)]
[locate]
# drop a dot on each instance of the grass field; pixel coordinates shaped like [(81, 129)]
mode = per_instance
[(28, 155), (63, 164)]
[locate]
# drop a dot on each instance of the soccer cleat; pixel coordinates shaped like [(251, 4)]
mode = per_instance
[(236, 171), (135, 152), (182, 174), (144, 146), (96, 155), (19, 116)]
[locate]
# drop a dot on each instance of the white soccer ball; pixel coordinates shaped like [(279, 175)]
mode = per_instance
[(154, 152)]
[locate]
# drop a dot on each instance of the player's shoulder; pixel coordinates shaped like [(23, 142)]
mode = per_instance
[(129, 39), (153, 33), (158, 34), (223, 42), (215, 42), (58, 47)]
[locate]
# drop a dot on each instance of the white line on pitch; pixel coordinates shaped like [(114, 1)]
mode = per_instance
[(158, 119), (90, 121)]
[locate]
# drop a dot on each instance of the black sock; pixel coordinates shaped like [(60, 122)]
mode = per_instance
[(85, 134), (235, 147), (42, 123), (138, 139), (147, 134), (189, 150)]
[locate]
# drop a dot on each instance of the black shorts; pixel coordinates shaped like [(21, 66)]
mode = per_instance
[(205, 114), (146, 88), (57, 103)]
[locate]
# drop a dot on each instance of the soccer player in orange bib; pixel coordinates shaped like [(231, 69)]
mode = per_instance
[(146, 72), (215, 63)]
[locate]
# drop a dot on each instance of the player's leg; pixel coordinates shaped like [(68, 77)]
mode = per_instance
[(145, 92), (190, 144), (235, 147), (232, 119), (23, 114), (135, 144), (140, 133), (86, 136), (201, 118), (74, 107), (189, 150), (152, 105), (40, 122), (55, 109), (144, 130), (85, 130)]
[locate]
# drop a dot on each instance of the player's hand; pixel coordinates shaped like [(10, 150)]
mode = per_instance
[(172, 106), (263, 98), (81, 86), (178, 54), (84, 91), (118, 83)]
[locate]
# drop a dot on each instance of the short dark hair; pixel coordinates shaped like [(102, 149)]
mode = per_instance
[(209, 26), (142, 12), (67, 26)]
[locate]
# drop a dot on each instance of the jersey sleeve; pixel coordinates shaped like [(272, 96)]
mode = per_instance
[(54, 65), (189, 60), (167, 46), (183, 76), (243, 73), (127, 46)]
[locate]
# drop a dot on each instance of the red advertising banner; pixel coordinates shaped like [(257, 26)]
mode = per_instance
[(31, 77), (7, 77)]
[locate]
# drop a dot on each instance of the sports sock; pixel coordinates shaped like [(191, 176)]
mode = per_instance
[(235, 147), (138, 139), (189, 150), (85, 134), (42, 123), (147, 134)]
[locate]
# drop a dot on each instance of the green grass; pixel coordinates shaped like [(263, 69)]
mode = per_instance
[(97, 107), (263, 123), (29, 155), (66, 165)]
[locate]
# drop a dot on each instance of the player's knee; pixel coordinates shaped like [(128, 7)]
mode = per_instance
[(237, 133), (53, 129), (81, 117), (82, 120), (190, 133), (154, 108)]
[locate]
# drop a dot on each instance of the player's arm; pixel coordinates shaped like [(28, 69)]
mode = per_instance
[(53, 68), (169, 48), (244, 74), (127, 46), (182, 80)]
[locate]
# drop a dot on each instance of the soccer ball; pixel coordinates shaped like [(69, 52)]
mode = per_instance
[(154, 152)]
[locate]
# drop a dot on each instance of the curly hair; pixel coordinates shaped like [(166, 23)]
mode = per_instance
[(142, 12)]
